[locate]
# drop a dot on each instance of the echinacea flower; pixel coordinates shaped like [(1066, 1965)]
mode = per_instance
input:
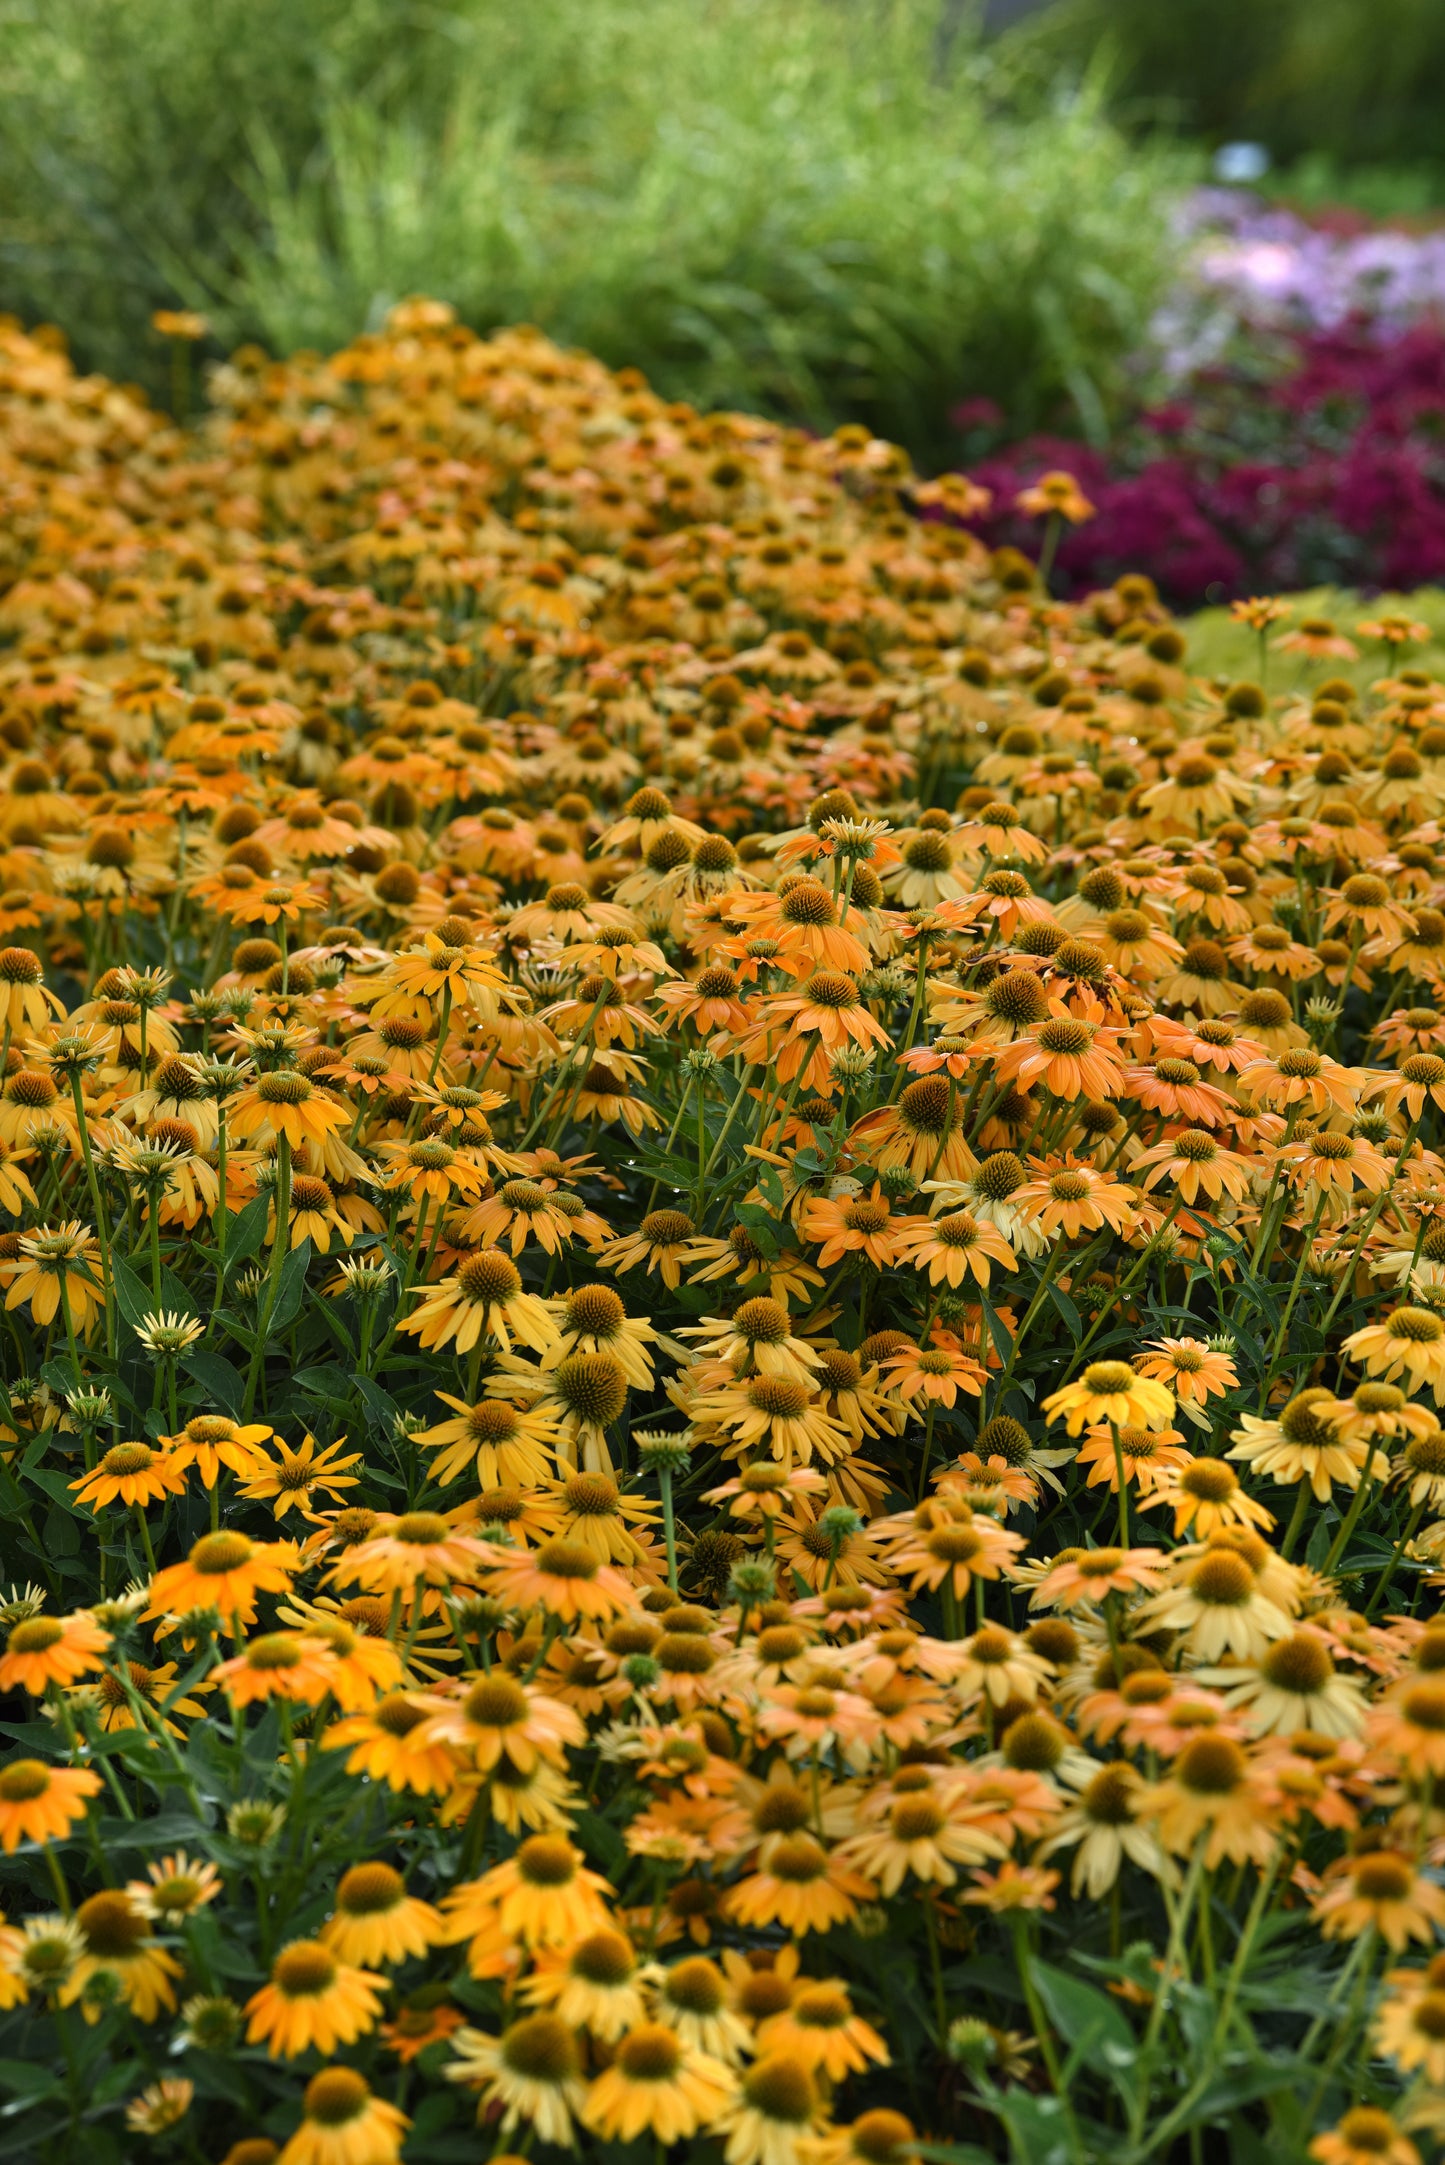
[(119, 1944), (45, 1650), (656, 2085), (1110, 1391), (1366, 2135), (39, 1803), (343, 2123), (375, 1920), (533, 2071), (312, 1999)]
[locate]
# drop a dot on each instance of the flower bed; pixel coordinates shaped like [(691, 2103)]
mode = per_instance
[(1300, 438), (725, 1286)]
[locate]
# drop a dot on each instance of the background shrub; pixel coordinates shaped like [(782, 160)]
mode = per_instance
[(1360, 84), (815, 208)]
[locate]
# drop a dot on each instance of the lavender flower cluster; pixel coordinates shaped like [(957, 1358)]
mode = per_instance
[(1249, 266)]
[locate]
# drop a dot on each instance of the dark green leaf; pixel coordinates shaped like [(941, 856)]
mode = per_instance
[(292, 1288), (1092, 2024), (770, 1186), (219, 1377), (1067, 1310), (131, 1290), (245, 1231)]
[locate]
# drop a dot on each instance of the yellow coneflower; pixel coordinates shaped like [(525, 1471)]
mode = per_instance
[(312, 1999), (777, 2108), (118, 1943), (376, 1920), (344, 2124), (533, 2071), (595, 1986), (656, 2085), (1111, 1391)]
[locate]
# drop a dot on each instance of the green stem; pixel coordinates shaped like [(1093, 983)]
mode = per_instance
[(1122, 1474), (1297, 1518), (1382, 1586), (278, 1264), (669, 1524)]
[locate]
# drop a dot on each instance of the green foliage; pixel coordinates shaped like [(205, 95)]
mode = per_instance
[(819, 210), (1361, 83)]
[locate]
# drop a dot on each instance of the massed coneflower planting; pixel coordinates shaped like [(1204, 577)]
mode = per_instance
[(724, 1282)]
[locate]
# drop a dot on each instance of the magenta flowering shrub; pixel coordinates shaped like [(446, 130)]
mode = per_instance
[(1313, 458)]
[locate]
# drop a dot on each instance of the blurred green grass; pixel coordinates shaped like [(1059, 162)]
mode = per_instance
[(1220, 646), (1357, 85), (817, 209)]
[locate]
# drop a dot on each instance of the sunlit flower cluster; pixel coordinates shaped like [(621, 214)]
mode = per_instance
[(724, 1263)]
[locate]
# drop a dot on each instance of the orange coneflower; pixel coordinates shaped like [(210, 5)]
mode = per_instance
[(210, 1441), (596, 1985), (800, 1886), (1306, 1441), (1205, 1495), (312, 1999), (507, 1444), (1149, 1456), (413, 1549), (564, 1578), (955, 1553), (1175, 1087), (524, 1210), (854, 1224), (45, 1650), (39, 1803), (376, 1920), (938, 1372), (1410, 2021), (1088, 1575), (1384, 1890), (1191, 1369), (1073, 1199), (297, 1476), (1104, 1824), (1408, 1341), (175, 1887), (1420, 1081), (1197, 1163), (1217, 1601), (922, 1130), (1366, 2135), (133, 1474), (344, 2124), (954, 1247), (224, 1572), (285, 1102), (278, 1665), (1300, 1076), (388, 1743), (543, 1896), (1294, 1685), (656, 2085), (1071, 1057), (1213, 1792), (664, 1241), (59, 1268), (926, 1832), (118, 1945)]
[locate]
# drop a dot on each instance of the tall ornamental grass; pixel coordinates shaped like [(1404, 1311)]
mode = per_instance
[(815, 210)]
